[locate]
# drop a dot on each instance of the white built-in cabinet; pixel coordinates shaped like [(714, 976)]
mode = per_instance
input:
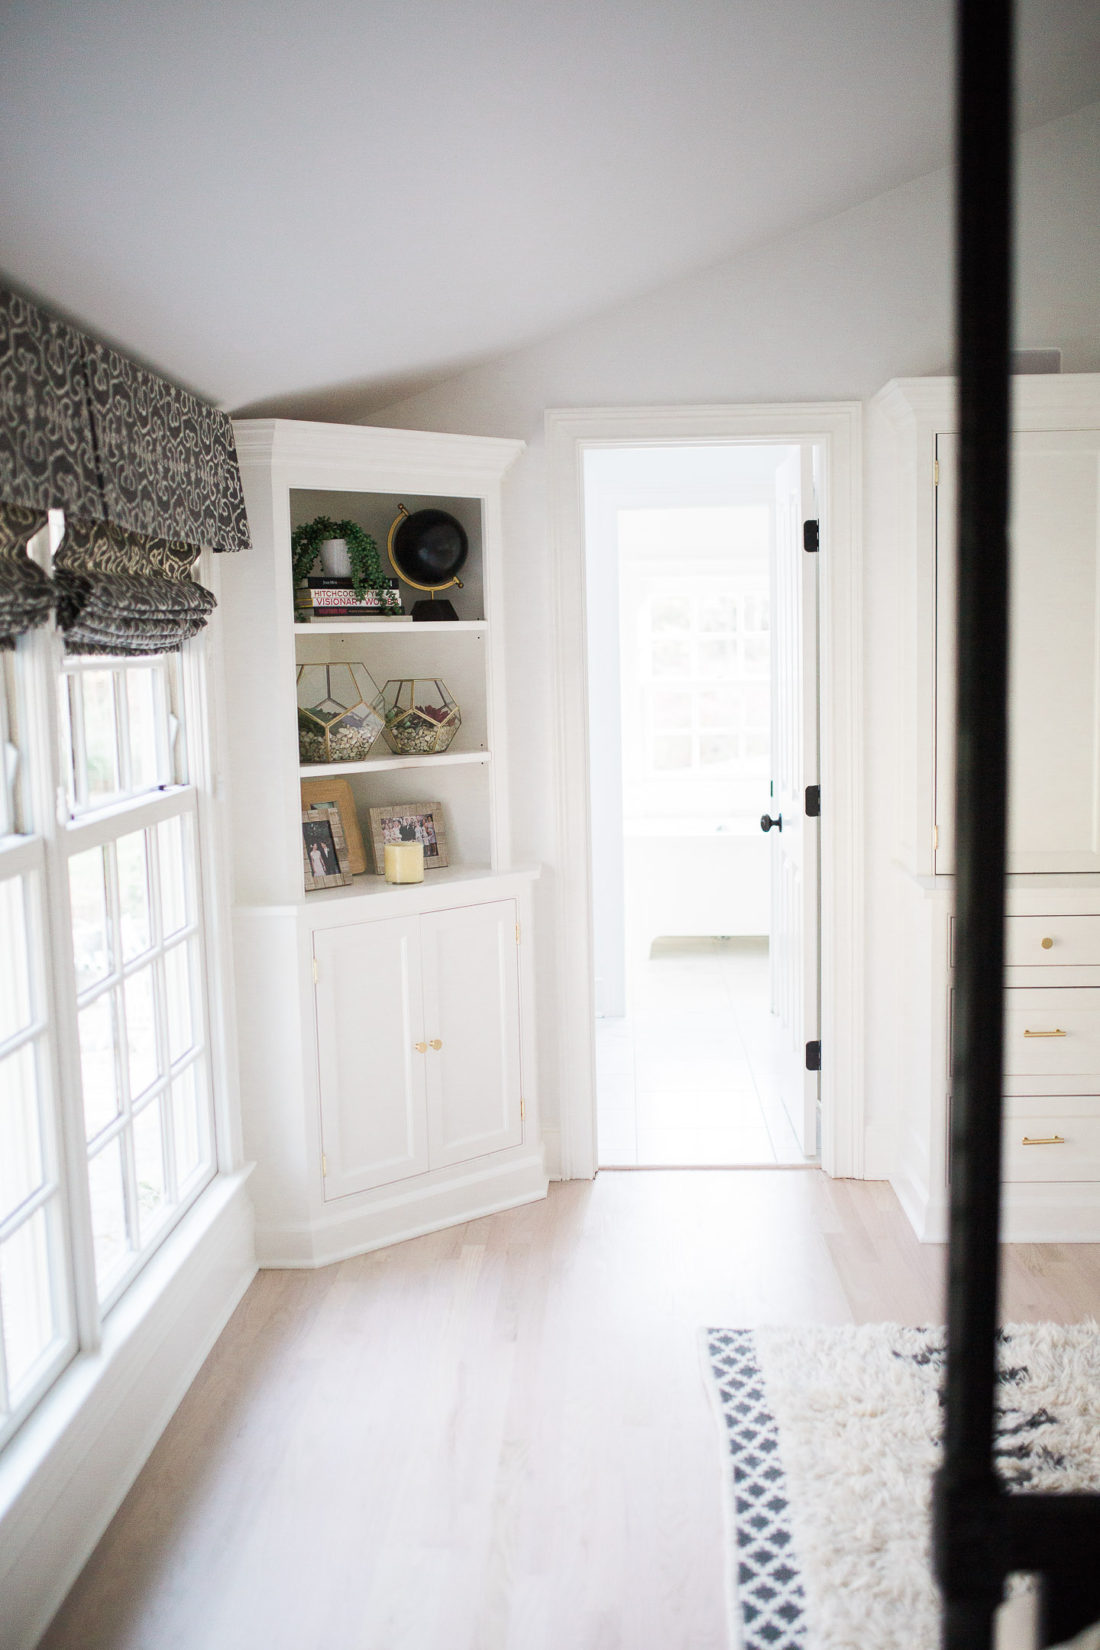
[(387, 1038), (1051, 1166), (435, 999)]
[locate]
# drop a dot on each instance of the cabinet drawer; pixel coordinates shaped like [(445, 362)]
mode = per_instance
[(1063, 1146), (1038, 942), (1052, 1032)]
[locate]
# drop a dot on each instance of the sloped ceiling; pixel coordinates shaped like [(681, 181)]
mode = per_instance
[(314, 208)]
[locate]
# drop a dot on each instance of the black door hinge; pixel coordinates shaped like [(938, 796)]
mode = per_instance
[(813, 801), (811, 537), (813, 1056)]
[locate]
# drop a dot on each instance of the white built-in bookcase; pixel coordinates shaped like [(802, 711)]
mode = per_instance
[(386, 1033)]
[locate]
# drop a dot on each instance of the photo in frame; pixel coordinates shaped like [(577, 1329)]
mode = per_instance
[(336, 793), (409, 822), (324, 849)]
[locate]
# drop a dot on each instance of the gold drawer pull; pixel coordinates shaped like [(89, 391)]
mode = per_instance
[(1048, 1140), (1054, 1033), (1046, 944)]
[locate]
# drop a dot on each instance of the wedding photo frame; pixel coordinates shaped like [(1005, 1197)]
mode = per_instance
[(409, 822), (324, 849), (336, 793)]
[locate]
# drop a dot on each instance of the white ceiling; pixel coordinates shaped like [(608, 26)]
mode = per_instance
[(314, 207)]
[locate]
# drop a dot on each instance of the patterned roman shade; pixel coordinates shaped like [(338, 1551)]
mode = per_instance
[(47, 455), (168, 461), (147, 477), (27, 595), (120, 593)]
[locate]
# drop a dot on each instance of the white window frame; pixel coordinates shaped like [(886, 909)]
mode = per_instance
[(692, 682), (48, 835)]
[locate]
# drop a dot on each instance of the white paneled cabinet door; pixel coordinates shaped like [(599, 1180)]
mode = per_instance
[(1054, 652), (372, 1075), (471, 1020), (794, 836)]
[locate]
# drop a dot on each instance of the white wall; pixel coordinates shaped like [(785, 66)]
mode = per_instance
[(830, 313)]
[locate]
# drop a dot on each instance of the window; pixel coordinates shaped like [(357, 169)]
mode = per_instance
[(103, 1021), (706, 656)]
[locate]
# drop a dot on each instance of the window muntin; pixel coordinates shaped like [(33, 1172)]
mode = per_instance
[(9, 752), (120, 729), (36, 1316), (705, 657), (143, 1044)]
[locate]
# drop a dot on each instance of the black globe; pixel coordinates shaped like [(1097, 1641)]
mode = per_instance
[(430, 547)]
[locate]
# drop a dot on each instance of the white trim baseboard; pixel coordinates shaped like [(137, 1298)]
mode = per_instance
[(410, 1212), (64, 1475), (837, 427)]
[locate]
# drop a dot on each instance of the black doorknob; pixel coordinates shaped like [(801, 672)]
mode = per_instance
[(766, 822)]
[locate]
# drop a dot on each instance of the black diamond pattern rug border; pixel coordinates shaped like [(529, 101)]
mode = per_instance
[(770, 1599)]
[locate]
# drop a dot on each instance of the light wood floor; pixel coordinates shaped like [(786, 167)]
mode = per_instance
[(497, 1437)]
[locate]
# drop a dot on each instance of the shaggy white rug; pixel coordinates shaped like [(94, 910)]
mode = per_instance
[(833, 1436)]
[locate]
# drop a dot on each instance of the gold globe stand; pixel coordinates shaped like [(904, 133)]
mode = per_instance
[(433, 609)]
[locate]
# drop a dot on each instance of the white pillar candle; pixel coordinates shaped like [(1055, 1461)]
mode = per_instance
[(404, 862)]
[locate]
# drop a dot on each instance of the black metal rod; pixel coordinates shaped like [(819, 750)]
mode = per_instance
[(969, 1537)]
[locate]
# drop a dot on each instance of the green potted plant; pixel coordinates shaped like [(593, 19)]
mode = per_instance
[(363, 564)]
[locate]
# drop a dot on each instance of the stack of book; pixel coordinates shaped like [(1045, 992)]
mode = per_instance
[(317, 600)]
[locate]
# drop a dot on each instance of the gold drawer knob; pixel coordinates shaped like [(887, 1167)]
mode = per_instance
[(436, 1042), (1046, 944), (1054, 1033), (421, 1048), (1045, 1140)]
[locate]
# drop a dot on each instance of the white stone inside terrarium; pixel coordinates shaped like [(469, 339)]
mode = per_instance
[(421, 717), (336, 721)]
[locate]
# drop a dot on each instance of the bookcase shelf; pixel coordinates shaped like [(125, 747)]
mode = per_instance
[(380, 627), (387, 764)]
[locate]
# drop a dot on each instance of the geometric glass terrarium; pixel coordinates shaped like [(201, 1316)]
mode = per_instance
[(336, 718), (419, 714)]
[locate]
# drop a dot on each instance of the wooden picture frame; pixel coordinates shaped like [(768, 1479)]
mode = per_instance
[(324, 849), (336, 793), (409, 822)]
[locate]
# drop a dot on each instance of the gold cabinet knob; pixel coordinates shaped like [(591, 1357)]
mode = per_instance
[(1046, 944), (436, 1042), (421, 1048)]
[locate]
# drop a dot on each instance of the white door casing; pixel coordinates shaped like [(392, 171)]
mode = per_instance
[(471, 1011), (372, 1077), (1054, 647), (794, 841), (835, 428)]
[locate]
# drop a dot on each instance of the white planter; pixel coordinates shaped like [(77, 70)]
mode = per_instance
[(335, 561)]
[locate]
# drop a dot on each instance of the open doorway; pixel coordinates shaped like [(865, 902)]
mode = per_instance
[(702, 675)]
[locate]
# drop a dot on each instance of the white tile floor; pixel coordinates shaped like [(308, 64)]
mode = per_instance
[(686, 1078)]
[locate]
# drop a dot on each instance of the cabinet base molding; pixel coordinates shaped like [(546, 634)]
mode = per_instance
[(1066, 1212), (402, 1214)]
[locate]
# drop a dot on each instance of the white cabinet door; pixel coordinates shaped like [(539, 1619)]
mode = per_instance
[(1054, 652), (471, 1020), (372, 1077)]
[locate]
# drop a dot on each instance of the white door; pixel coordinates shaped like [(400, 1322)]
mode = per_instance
[(471, 1021), (794, 836), (1054, 652), (374, 1126)]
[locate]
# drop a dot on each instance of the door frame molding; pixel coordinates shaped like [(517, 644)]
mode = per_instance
[(835, 426)]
